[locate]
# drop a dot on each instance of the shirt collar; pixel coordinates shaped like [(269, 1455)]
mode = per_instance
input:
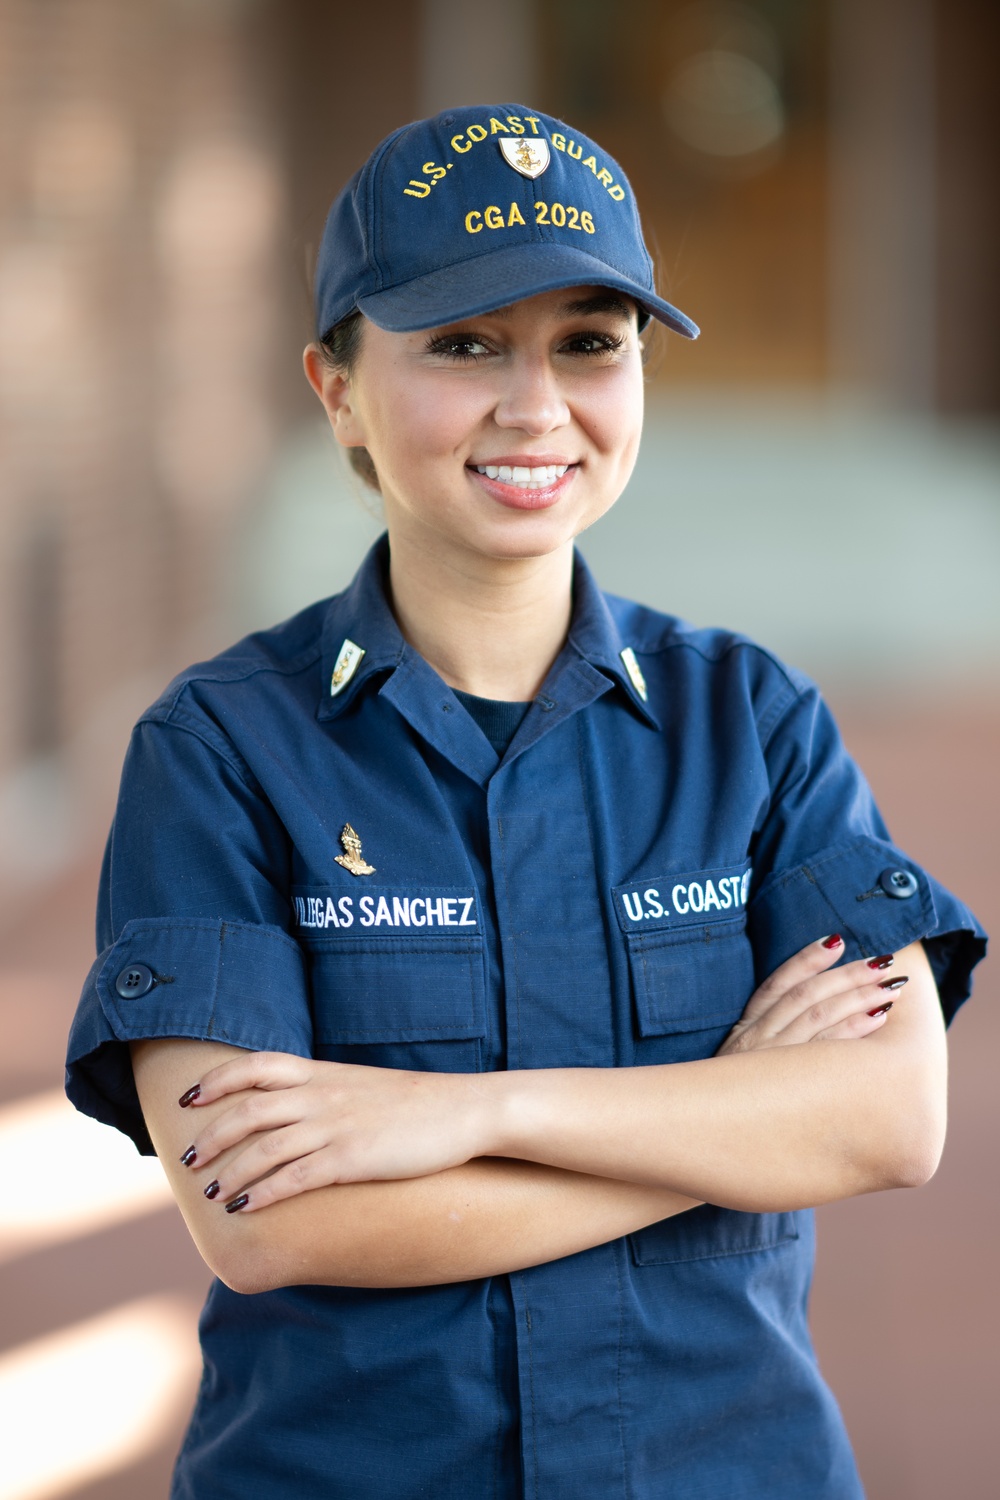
[(361, 617), (594, 635)]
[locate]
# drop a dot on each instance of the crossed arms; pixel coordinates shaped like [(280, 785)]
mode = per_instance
[(357, 1176)]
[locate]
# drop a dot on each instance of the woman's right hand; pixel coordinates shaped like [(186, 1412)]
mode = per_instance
[(808, 1000)]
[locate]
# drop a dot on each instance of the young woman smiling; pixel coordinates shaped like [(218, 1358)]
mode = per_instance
[(502, 970)]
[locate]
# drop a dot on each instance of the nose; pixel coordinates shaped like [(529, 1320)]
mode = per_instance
[(531, 400)]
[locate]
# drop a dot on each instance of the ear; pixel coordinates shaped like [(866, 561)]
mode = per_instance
[(334, 390)]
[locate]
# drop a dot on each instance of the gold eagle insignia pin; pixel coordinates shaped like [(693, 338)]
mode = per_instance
[(352, 858), (528, 157)]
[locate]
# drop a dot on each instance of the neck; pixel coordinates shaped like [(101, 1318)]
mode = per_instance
[(488, 626)]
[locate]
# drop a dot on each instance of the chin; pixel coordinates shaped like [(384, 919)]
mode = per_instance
[(532, 538)]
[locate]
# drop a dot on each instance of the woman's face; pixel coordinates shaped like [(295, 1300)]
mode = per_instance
[(504, 435)]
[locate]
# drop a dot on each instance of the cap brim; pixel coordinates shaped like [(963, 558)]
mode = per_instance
[(483, 283)]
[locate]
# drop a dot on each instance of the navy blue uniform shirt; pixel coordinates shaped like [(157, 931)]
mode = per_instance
[(662, 831)]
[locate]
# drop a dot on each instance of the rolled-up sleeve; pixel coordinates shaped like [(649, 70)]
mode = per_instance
[(825, 863), (192, 921)]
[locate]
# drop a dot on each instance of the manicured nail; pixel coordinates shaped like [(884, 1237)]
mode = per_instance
[(212, 1191), (884, 961), (881, 1010), (238, 1203), (894, 984), (192, 1094), (833, 941), (189, 1158)]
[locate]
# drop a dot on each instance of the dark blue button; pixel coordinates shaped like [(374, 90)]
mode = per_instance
[(898, 883), (135, 981)]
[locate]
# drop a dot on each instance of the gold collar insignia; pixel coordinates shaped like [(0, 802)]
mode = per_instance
[(635, 672), (347, 663)]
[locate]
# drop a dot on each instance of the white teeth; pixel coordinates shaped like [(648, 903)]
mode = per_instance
[(524, 478)]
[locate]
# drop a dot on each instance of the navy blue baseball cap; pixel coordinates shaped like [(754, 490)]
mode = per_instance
[(477, 208)]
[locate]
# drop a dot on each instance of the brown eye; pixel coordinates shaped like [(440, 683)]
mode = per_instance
[(594, 343), (458, 346)]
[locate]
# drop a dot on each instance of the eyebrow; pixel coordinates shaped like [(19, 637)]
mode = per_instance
[(582, 307), (603, 302)]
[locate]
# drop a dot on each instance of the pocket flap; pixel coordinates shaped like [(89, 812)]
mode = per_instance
[(706, 1232), (691, 981), (398, 990)]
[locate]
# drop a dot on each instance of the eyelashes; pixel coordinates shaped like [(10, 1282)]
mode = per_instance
[(461, 348), (468, 348), (605, 343)]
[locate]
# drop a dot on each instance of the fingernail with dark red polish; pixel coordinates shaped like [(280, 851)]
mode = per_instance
[(189, 1158), (212, 1191), (238, 1203), (833, 941), (191, 1095), (881, 1010), (884, 961), (894, 984)]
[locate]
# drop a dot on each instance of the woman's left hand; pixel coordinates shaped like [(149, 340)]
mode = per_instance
[(306, 1124)]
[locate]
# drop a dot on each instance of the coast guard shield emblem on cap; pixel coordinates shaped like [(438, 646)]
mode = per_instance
[(530, 158)]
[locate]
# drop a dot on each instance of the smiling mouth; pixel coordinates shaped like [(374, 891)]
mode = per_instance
[(541, 478)]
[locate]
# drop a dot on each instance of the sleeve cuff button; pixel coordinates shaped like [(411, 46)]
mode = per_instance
[(898, 883), (135, 981)]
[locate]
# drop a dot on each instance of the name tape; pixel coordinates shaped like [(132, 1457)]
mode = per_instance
[(683, 900), (390, 912)]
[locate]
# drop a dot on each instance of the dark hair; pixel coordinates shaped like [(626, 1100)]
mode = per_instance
[(341, 347)]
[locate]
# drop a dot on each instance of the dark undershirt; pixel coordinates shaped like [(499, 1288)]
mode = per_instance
[(497, 719)]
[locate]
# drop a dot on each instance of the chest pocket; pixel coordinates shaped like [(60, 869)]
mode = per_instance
[(400, 1002), (690, 988), (689, 958), (397, 979), (692, 972)]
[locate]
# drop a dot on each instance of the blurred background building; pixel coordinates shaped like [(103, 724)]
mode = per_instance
[(821, 181)]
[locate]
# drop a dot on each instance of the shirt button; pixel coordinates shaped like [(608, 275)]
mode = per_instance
[(135, 981), (898, 883)]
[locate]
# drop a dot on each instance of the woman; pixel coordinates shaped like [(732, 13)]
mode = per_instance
[(431, 923)]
